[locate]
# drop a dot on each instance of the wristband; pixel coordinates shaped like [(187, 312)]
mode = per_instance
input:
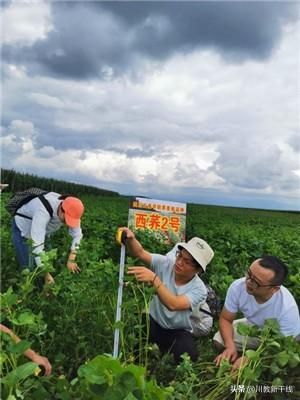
[(156, 288), (155, 276)]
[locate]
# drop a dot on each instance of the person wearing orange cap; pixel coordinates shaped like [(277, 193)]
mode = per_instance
[(37, 220)]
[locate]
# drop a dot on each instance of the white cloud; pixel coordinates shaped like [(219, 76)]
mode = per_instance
[(24, 22), (21, 129), (18, 138), (46, 101)]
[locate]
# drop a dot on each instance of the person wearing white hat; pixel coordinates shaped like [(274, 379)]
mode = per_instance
[(179, 290)]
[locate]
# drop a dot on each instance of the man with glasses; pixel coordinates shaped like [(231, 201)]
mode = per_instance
[(179, 290), (258, 296), (37, 220)]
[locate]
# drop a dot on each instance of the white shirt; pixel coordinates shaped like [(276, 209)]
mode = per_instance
[(41, 224), (281, 306)]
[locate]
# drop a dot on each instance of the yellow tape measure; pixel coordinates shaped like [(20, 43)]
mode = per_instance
[(121, 236)]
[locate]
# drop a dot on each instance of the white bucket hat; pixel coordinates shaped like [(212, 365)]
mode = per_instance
[(199, 250)]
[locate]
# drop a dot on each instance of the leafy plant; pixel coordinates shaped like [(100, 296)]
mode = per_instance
[(73, 321)]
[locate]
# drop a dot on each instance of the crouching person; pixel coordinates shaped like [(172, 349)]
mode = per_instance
[(179, 291), (259, 296), (201, 316)]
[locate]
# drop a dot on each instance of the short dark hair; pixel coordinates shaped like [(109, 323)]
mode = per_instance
[(275, 264)]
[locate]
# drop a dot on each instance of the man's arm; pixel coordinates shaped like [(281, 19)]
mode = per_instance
[(29, 353), (76, 234), (170, 300), (135, 248), (227, 333)]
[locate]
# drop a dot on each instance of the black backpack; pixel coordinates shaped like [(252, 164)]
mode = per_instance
[(18, 200), (213, 302)]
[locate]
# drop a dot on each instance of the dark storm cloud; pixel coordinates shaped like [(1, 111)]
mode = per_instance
[(61, 138), (247, 28), (105, 39)]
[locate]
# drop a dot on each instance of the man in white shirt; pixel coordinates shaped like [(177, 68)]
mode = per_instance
[(258, 296), (33, 221), (179, 291)]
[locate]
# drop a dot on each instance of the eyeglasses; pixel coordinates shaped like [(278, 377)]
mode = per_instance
[(254, 282), (186, 260)]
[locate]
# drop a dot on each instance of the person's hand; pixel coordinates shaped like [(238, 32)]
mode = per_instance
[(129, 233), (229, 354), (239, 363), (42, 362), (73, 267), (142, 274), (49, 280)]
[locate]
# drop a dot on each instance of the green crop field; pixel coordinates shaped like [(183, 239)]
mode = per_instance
[(72, 322)]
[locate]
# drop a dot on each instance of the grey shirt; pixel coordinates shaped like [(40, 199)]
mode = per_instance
[(194, 290)]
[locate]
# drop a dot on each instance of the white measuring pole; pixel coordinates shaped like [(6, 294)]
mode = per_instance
[(119, 302)]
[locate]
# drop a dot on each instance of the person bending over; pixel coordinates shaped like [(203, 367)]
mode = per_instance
[(33, 222)]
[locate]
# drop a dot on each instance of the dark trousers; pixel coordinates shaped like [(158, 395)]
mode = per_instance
[(175, 341), (22, 249), (24, 252)]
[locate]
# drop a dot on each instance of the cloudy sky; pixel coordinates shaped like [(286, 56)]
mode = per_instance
[(186, 101)]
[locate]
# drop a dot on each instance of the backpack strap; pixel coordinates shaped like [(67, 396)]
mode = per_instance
[(205, 311), (46, 204), (23, 215)]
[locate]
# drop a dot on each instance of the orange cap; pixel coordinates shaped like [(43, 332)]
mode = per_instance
[(73, 209)]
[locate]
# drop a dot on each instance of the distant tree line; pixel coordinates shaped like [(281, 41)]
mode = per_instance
[(20, 181)]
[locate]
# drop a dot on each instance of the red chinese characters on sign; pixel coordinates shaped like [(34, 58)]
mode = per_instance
[(157, 222), (175, 223), (162, 217), (141, 220), (154, 221)]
